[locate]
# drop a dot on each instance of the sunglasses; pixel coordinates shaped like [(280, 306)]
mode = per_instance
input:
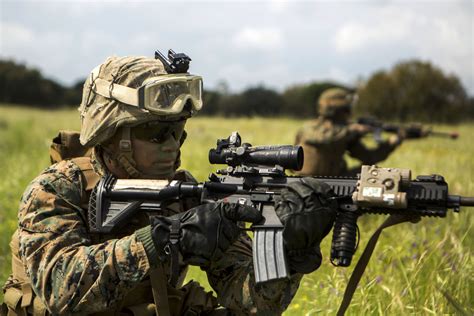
[(159, 132)]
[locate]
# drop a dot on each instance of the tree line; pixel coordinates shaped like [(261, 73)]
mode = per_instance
[(22, 85), (412, 90)]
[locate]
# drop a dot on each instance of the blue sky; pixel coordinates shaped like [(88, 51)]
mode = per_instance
[(275, 43)]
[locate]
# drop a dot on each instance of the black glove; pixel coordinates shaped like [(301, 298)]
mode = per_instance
[(308, 215), (203, 233)]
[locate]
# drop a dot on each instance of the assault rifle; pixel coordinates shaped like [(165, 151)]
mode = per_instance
[(255, 176), (410, 131)]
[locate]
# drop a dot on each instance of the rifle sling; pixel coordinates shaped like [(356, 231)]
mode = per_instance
[(159, 290), (365, 257)]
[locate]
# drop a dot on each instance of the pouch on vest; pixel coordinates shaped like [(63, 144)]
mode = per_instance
[(66, 146)]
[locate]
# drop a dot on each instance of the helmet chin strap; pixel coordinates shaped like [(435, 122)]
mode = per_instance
[(125, 156), (177, 163)]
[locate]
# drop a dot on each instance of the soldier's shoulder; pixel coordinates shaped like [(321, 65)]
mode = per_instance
[(314, 126), (311, 125), (61, 179), (69, 169), (62, 175)]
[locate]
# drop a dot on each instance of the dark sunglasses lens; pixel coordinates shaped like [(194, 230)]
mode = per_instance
[(158, 134)]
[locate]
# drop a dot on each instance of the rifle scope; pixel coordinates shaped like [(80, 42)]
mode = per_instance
[(286, 156)]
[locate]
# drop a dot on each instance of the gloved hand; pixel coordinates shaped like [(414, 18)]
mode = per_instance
[(203, 233), (396, 139), (308, 215)]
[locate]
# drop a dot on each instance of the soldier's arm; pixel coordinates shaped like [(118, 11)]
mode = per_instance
[(67, 272), (233, 279), (371, 156)]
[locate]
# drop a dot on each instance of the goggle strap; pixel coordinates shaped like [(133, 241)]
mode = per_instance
[(112, 90), (125, 94), (115, 91)]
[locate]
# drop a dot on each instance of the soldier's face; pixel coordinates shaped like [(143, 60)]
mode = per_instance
[(156, 150), (156, 160), (343, 114)]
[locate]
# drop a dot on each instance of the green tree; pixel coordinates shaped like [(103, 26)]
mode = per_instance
[(73, 95), (26, 86), (211, 100), (413, 91), (259, 101), (19, 84)]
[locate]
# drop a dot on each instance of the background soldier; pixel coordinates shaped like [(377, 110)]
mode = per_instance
[(60, 267), (326, 139)]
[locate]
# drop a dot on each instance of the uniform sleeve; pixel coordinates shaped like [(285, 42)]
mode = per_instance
[(370, 156), (233, 279), (66, 271)]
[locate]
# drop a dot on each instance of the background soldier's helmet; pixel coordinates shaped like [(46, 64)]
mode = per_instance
[(101, 115), (334, 101)]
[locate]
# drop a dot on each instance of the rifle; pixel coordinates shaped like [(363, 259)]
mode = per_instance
[(255, 176), (410, 131)]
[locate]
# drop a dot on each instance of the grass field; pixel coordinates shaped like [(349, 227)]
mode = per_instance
[(420, 269)]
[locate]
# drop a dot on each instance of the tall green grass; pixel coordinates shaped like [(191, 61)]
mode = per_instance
[(417, 269)]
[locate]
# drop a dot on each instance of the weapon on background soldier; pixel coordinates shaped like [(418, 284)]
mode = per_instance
[(409, 131)]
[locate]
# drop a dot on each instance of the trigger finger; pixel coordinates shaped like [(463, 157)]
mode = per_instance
[(244, 213)]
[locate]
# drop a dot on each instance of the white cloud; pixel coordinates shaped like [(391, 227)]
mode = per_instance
[(442, 35), (279, 6), (244, 42), (389, 25), (258, 38), (340, 75), (14, 34)]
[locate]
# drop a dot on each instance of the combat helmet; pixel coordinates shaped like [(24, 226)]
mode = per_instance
[(124, 92), (335, 100)]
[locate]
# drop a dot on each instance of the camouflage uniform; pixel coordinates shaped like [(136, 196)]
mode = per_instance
[(73, 271), (60, 267), (326, 139)]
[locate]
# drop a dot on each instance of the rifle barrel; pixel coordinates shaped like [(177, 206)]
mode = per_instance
[(455, 201), (467, 201), (452, 135)]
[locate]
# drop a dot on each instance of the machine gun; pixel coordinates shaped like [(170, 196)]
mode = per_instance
[(410, 131), (255, 176)]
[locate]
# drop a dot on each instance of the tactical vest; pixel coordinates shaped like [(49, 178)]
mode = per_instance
[(190, 299)]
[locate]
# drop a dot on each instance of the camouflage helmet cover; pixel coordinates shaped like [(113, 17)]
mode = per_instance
[(101, 116), (334, 99)]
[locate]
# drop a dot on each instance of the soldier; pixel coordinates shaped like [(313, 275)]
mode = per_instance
[(133, 116), (326, 139)]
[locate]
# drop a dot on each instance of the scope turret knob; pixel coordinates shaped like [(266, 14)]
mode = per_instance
[(240, 151)]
